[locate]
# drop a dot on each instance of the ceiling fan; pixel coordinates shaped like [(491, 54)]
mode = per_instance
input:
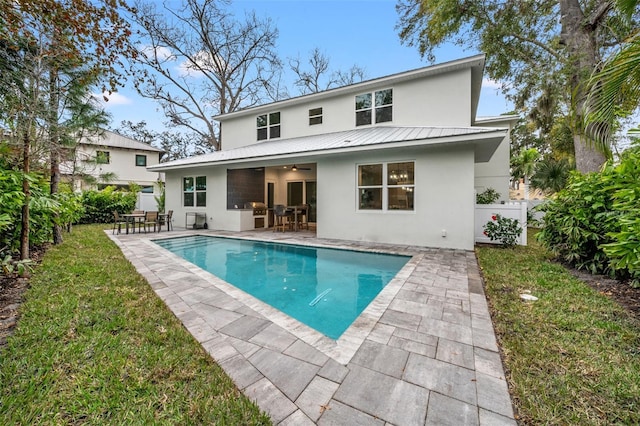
[(296, 168)]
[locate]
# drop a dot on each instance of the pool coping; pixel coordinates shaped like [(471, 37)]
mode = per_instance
[(345, 347), (423, 353)]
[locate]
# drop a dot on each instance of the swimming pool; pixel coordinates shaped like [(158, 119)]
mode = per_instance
[(324, 288)]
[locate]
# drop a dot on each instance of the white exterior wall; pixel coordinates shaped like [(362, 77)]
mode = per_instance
[(441, 100), (216, 195), (122, 162), (495, 173), (444, 200)]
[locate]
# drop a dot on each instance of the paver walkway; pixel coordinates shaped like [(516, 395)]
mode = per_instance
[(423, 353)]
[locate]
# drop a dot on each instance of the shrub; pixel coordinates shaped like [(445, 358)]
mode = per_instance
[(593, 224), (503, 229), (100, 205), (42, 209), (577, 221), (488, 196)]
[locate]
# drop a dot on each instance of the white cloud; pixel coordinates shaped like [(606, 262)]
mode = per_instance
[(203, 60), (163, 53), (114, 99), (488, 83)]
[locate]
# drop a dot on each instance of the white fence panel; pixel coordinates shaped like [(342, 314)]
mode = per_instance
[(146, 202), (512, 210)]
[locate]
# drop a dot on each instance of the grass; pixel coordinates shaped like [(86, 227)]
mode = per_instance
[(573, 356), (95, 345)]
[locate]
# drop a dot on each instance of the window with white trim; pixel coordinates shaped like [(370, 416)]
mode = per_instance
[(376, 107), (315, 116), (194, 191), (386, 186), (268, 126)]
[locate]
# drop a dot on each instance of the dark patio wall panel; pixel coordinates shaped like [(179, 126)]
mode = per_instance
[(244, 186)]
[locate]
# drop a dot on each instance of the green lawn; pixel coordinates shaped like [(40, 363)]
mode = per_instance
[(95, 345), (573, 356)]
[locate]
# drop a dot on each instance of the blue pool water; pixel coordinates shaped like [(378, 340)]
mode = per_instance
[(324, 288)]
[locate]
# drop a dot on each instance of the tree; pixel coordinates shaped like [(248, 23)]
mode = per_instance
[(50, 49), (175, 145), (524, 166), (530, 45), (198, 61), (551, 175), (614, 90), (318, 77)]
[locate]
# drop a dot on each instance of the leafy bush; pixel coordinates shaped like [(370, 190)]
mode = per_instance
[(577, 221), (488, 196), (100, 205), (593, 224), (71, 208), (624, 250), (42, 209), (503, 229)]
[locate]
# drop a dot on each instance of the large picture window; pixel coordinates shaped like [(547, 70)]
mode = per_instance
[(268, 126), (194, 191), (386, 186), (374, 107)]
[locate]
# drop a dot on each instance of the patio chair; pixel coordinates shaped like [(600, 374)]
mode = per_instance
[(117, 222), (282, 216), (138, 220), (150, 218), (303, 216), (165, 219)]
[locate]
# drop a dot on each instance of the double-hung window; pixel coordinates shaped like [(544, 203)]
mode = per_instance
[(268, 126), (376, 107), (194, 191), (386, 186), (315, 116)]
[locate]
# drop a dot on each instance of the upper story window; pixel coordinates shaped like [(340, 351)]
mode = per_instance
[(141, 160), (315, 116), (194, 191), (102, 157), (268, 126), (386, 186), (374, 107)]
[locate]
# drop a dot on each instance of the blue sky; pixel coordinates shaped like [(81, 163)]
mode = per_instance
[(352, 32)]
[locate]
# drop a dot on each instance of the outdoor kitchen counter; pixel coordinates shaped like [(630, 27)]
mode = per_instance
[(249, 221)]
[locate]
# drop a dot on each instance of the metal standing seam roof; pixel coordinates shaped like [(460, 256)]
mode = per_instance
[(116, 140), (330, 141)]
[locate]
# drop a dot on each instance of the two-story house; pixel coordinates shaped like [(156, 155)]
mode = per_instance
[(396, 159), (112, 159)]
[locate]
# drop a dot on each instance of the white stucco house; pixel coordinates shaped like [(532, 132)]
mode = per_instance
[(112, 159), (396, 159)]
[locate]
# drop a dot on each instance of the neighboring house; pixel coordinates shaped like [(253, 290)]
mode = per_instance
[(396, 159), (112, 159)]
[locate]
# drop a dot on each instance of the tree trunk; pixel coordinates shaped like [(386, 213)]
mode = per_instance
[(26, 189), (54, 149), (579, 37)]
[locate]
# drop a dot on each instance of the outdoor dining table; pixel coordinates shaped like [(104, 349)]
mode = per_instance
[(132, 217), (295, 210)]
